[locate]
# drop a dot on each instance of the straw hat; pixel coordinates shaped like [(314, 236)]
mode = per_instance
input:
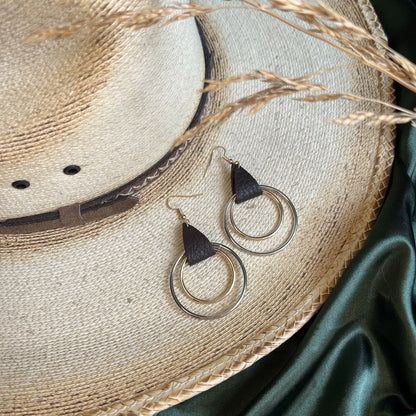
[(88, 323)]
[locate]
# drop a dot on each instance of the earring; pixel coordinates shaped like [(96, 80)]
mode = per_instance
[(244, 188), (197, 248)]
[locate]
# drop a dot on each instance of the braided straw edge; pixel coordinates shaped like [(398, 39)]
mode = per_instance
[(242, 357)]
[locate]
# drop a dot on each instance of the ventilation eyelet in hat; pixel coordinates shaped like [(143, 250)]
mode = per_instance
[(22, 184), (71, 170)]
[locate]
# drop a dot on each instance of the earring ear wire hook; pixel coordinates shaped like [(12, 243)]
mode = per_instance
[(181, 214), (223, 156)]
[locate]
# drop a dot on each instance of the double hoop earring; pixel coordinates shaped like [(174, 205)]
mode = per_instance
[(245, 188), (197, 248)]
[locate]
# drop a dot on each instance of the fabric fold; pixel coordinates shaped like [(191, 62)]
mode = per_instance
[(357, 357)]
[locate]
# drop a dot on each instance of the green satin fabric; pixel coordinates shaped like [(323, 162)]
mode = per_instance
[(358, 355)]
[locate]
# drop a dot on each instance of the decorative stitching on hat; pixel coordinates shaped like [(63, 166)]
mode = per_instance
[(265, 341), (149, 179), (149, 403)]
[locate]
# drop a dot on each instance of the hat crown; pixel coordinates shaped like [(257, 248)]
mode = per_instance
[(85, 114)]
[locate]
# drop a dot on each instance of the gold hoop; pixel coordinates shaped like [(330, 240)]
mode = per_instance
[(276, 227), (226, 311), (223, 294), (281, 246)]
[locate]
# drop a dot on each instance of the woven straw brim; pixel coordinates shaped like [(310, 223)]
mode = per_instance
[(88, 325)]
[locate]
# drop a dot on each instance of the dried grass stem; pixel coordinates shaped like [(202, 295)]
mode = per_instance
[(332, 28), (279, 86), (129, 19)]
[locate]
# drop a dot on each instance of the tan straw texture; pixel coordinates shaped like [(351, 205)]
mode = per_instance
[(87, 322), (103, 98)]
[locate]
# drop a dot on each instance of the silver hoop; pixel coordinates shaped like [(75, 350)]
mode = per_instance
[(276, 227), (227, 252), (281, 246)]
